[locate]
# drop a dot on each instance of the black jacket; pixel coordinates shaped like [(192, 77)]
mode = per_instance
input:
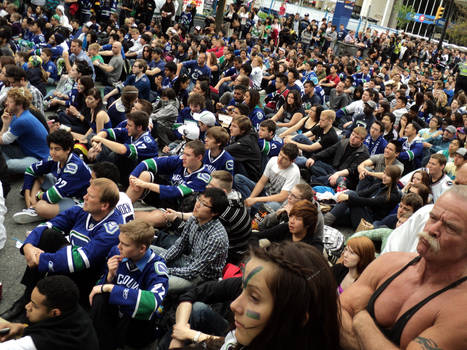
[(334, 156), (375, 198), (247, 155), (281, 233), (70, 331)]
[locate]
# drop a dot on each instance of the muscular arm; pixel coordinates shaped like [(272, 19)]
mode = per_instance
[(355, 298)]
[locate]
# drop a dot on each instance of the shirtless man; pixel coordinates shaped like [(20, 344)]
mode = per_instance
[(372, 320)]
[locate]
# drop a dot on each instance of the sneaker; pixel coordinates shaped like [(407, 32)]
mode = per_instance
[(26, 216)]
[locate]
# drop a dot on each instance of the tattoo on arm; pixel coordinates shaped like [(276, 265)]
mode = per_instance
[(427, 344)]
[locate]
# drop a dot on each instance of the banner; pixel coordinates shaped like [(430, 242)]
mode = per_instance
[(342, 12), (198, 3)]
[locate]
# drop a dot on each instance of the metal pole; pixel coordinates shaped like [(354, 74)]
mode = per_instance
[(270, 6), (443, 34)]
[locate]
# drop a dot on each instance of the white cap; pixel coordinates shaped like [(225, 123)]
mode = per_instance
[(190, 131), (205, 117)]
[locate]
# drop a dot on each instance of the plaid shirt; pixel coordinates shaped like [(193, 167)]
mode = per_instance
[(207, 246)]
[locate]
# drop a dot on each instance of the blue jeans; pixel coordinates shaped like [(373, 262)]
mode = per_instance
[(301, 161), (16, 160), (245, 186), (321, 171), (206, 320), (300, 138)]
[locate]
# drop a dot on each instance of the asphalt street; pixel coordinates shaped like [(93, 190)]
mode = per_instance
[(12, 263)]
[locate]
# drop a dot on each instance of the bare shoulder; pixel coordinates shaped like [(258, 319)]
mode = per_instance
[(384, 266), (356, 297)]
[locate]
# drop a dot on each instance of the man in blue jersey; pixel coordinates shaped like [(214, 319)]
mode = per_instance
[(269, 143), (216, 158), (20, 125), (127, 299), (196, 68), (187, 176), (92, 230), (54, 184), (126, 147)]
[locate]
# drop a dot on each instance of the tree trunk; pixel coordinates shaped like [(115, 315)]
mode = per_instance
[(219, 14)]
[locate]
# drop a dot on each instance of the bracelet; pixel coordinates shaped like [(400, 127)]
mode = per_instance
[(182, 215), (102, 288), (196, 337)]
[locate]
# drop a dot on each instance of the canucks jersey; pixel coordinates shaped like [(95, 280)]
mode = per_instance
[(224, 161), (125, 206), (182, 182), (90, 240), (70, 181), (256, 117), (360, 78), (412, 151), (136, 149), (271, 148), (139, 287)]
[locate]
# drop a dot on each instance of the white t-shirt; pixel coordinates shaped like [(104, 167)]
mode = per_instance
[(404, 238), (256, 77), (25, 343), (125, 206), (280, 179)]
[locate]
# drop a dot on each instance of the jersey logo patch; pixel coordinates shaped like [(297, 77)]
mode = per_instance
[(229, 165), (71, 168), (111, 227), (161, 268), (204, 177)]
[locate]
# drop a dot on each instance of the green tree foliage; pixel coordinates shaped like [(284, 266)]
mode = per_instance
[(402, 12), (457, 31)]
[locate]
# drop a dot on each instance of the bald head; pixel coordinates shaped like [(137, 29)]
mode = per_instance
[(461, 175), (116, 47)]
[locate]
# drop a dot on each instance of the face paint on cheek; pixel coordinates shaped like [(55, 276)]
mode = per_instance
[(252, 314)]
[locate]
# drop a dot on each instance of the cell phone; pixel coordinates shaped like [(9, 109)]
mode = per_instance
[(4, 331)]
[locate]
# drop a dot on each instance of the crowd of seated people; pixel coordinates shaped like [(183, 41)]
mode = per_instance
[(249, 153)]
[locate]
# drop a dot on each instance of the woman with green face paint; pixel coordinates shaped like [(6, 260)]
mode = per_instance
[(288, 301)]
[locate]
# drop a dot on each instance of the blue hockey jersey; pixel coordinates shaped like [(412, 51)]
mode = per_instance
[(224, 161), (90, 240), (136, 149), (412, 151), (139, 287), (182, 182), (256, 117), (70, 181), (272, 147)]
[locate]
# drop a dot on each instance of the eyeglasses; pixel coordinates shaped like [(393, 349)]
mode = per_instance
[(198, 199)]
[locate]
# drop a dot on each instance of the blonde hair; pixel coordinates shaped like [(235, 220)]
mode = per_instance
[(94, 46), (329, 114), (21, 96), (138, 231)]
